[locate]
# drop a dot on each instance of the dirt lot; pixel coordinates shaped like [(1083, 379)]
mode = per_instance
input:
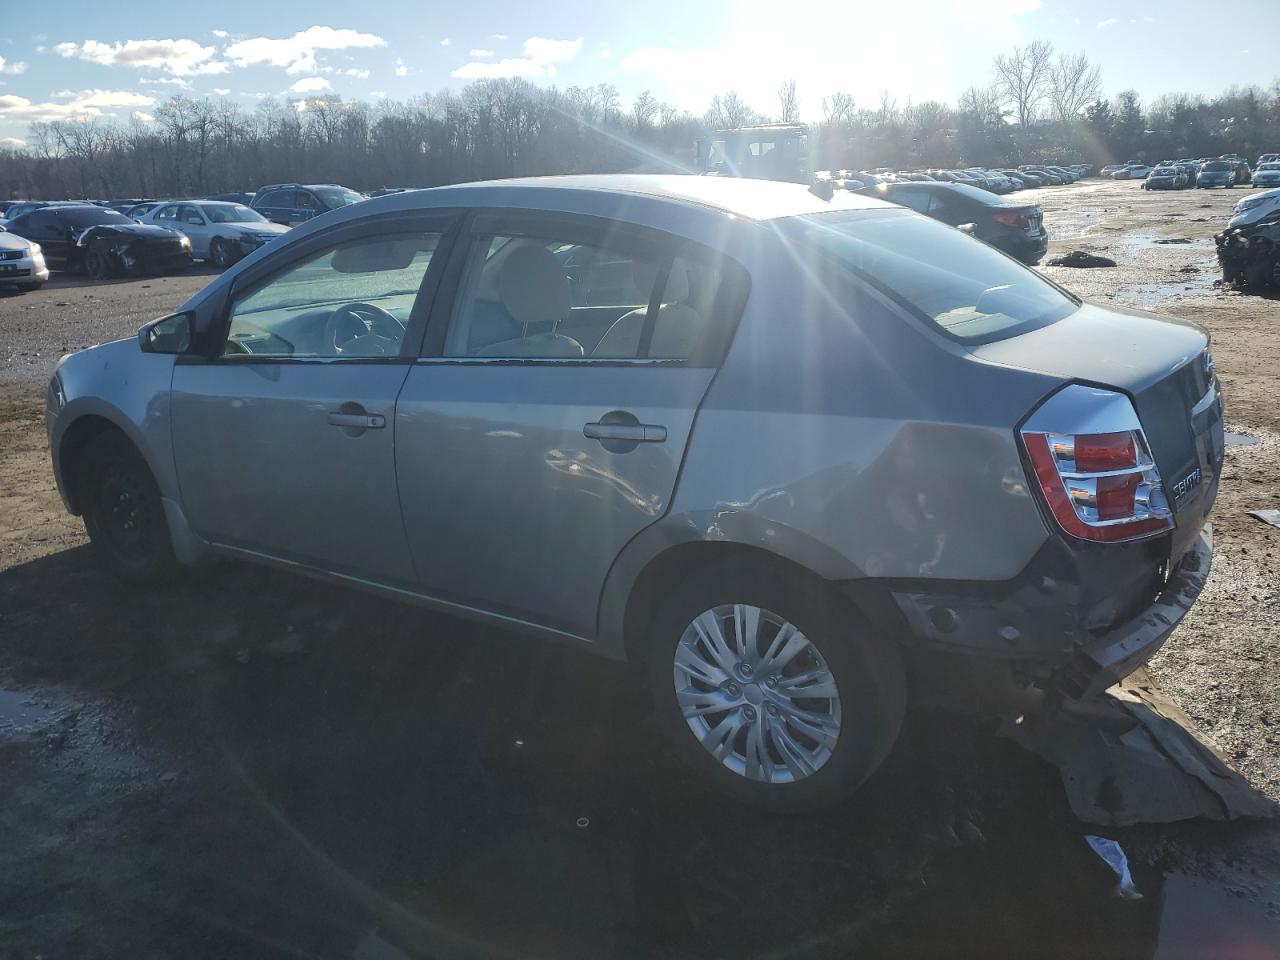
[(252, 765)]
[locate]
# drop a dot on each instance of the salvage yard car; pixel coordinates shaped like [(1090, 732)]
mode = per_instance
[(773, 444), (1016, 227), (1217, 173), (219, 232), (1165, 178), (21, 262), (101, 242), (1267, 174)]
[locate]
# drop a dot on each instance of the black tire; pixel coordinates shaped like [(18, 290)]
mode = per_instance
[(120, 502), (867, 669), (98, 266), (220, 253)]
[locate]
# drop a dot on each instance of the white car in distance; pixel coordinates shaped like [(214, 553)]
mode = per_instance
[(220, 232)]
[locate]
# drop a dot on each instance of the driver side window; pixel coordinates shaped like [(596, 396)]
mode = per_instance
[(351, 300)]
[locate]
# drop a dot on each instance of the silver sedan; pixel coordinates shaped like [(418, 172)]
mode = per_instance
[(771, 442)]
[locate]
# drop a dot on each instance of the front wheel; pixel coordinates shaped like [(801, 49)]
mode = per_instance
[(122, 511), (220, 253), (775, 687), (98, 266)]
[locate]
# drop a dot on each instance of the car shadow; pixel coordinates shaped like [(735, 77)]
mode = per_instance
[(350, 764)]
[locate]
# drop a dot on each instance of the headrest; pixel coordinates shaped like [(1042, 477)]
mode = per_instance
[(532, 286)]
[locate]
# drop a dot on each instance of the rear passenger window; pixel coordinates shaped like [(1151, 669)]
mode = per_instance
[(539, 297)]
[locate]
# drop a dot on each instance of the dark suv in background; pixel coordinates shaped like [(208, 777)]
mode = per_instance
[(294, 203)]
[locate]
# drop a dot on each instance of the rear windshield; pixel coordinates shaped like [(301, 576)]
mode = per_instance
[(967, 289), (1218, 165)]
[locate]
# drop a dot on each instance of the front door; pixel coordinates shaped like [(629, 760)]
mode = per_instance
[(284, 440), (193, 223), (545, 426)]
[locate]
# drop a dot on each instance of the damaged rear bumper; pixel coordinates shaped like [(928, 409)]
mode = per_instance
[(1117, 653), (1073, 621)]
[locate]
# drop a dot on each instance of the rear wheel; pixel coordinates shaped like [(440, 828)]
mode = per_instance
[(122, 511), (774, 687)]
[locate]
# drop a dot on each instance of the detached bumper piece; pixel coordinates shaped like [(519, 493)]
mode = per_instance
[(1120, 651), (1250, 256)]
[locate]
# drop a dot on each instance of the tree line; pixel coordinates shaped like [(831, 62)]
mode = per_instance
[(1041, 106)]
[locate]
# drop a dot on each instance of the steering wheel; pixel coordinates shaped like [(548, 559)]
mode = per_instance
[(362, 330)]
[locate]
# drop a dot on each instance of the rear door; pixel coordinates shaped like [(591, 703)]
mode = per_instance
[(284, 437), (545, 423)]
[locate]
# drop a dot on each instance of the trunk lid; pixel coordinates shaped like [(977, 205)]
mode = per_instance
[(1163, 365)]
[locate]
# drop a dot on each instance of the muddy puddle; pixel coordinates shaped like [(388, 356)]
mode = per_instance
[(23, 713), (1236, 439)]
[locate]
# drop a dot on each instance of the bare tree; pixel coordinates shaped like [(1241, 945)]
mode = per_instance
[(644, 109), (788, 102), (1024, 78), (1073, 84), (839, 108), (730, 111)]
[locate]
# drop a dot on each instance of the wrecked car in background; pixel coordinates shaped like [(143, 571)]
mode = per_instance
[(101, 242), (21, 262), (1250, 255)]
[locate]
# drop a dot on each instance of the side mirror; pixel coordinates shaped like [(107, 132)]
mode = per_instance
[(970, 228), (171, 334)]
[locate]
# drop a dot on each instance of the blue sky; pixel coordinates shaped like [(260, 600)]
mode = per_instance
[(112, 60)]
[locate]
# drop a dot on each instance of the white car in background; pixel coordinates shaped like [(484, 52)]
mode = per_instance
[(21, 262), (1255, 208), (1132, 171), (220, 232), (1267, 174)]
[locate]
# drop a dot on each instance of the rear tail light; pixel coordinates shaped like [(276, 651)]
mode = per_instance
[(1011, 218), (1090, 459)]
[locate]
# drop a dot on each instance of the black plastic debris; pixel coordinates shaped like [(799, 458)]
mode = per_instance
[(1132, 756), (1078, 258)]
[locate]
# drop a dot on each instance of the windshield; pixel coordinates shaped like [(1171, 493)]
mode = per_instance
[(231, 213), (964, 287), (1270, 166), (90, 216), (335, 197), (1217, 167)]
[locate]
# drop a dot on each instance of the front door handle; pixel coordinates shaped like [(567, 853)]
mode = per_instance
[(361, 421), (628, 432)]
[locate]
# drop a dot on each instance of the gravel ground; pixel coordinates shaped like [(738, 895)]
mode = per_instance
[(254, 765)]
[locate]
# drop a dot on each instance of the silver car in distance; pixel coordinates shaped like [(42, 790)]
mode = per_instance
[(776, 447)]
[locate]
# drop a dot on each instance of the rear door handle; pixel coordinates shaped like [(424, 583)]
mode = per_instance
[(630, 432), (361, 421)]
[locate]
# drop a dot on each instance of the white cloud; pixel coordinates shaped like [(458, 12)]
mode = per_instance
[(105, 99), (401, 69), (142, 117), (540, 56), (480, 53), (310, 85), (84, 105), (542, 50), (220, 34), (41, 48), (13, 143), (181, 82), (605, 54), (356, 72), (12, 68), (378, 94), (498, 36), (178, 57), (297, 54), (1110, 21), (445, 42), (222, 91), (659, 59)]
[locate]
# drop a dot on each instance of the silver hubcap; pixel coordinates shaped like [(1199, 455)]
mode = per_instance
[(756, 693)]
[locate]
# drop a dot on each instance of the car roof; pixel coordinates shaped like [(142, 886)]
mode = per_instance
[(742, 197)]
